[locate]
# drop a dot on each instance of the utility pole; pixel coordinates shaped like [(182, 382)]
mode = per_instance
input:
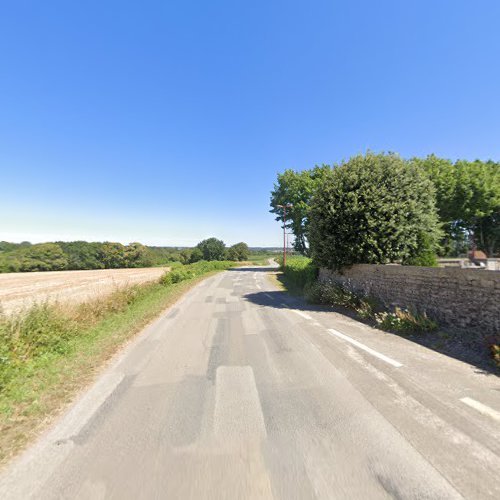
[(284, 207)]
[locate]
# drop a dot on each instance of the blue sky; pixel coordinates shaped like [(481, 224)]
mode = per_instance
[(166, 122)]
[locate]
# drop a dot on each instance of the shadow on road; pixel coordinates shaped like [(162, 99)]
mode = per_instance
[(450, 343), (254, 269), (282, 300)]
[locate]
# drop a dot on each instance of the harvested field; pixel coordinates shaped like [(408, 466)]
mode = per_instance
[(20, 290)]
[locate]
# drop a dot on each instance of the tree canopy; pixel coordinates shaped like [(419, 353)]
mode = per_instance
[(468, 202), (211, 249), (238, 252), (373, 209), (297, 189), (75, 255), (467, 198)]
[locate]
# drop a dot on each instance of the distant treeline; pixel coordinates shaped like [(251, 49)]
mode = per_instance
[(76, 255)]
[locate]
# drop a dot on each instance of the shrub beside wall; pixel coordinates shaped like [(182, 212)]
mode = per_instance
[(459, 298), (299, 272)]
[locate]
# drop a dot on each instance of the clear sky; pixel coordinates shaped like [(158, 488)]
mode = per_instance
[(166, 122)]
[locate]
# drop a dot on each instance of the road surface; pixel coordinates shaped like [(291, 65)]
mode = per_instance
[(240, 391), (20, 290)]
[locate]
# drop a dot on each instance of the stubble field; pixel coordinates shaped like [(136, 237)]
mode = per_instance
[(20, 290)]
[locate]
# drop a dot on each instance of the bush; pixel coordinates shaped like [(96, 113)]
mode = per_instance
[(190, 271), (495, 353), (373, 209), (331, 293), (299, 272), (425, 255), (43, 328), (405, 321)]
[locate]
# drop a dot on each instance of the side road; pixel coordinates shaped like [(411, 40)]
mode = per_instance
[(240, 391)]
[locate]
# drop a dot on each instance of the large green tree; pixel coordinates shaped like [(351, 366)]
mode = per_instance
[(375, 208), (212, 249), (468, 202), (297, 189), (238, 252), (478, 198)]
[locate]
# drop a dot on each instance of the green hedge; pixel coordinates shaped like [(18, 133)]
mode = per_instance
[(190, 271), (299, 271)]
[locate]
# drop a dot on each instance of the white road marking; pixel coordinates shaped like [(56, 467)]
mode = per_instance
[(365, 348), (258, 286), (485, 410), (317, 324), (268, 296), (300, 313)]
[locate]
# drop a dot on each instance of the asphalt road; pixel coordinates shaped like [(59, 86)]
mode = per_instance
[(240, 391)]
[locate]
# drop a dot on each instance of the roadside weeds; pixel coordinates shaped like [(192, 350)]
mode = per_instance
[(459, 344)]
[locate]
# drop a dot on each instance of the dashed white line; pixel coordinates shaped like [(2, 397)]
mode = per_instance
[(300, 313), (365, 348), (268, 296), (485, 410), (258, 286)]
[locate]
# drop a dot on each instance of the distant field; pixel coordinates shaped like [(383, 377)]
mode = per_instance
[(261, 259), (18, 290)]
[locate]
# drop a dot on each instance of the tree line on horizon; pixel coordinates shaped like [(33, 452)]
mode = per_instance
[(380, 208), (83, 255)]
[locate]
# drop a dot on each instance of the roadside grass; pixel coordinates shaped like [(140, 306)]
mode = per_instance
[(52, 351)]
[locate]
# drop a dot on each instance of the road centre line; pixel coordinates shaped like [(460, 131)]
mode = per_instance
[(268, 296), (485, 410), (365, 348)]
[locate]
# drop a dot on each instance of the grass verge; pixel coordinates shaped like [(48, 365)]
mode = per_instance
[(52, 351)]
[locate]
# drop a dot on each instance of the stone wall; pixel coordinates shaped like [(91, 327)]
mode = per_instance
[(459, 298)]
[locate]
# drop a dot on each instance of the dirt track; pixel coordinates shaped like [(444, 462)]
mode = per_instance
[(19, 290)]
